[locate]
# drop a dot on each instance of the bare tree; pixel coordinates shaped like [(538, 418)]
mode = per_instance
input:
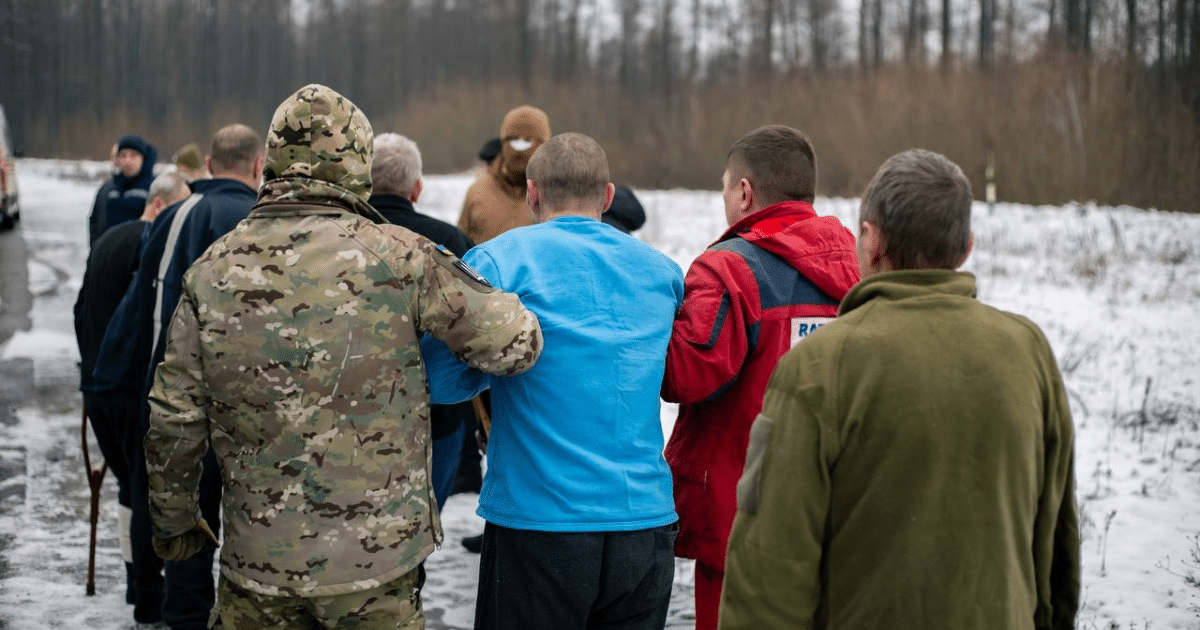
[(525, 34), (694, 53), (1086, 27), (1073, 24), (763, 12), (1131, 30), (1162, 41), (630, 9), (1180, 31), (877, 32), (864, 45), (819, 14), (666, 49), (987, 33), (870, 34), (1194, 40), (915, 27), (947, 33)]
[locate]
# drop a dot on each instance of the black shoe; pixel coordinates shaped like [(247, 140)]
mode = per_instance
[(474, 544)]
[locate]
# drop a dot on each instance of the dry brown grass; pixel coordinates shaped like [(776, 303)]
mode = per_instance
[(1059, 131)]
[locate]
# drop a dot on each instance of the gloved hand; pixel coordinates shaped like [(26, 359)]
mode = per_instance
[(187, 544)]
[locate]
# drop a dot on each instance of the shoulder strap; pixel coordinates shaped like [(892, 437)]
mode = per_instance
[(164, 263)]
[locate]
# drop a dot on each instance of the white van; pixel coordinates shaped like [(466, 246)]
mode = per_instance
[(10, 208)]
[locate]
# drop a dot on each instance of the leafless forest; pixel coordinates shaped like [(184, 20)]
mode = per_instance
[(1064, 99)]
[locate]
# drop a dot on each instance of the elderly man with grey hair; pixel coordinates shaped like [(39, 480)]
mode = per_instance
[(396, 186), (912, 466)]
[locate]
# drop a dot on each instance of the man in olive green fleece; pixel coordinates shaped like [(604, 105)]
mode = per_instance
[(912, 466)]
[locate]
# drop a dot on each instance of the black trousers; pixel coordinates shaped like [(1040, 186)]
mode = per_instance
[(533, 580)]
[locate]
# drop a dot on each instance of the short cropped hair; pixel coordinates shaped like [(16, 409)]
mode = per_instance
[(167, 186), (921, 202), (234, 149), (778, 161), (396, 167), (569, 167)]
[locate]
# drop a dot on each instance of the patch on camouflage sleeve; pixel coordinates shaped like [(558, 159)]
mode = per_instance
[(462, 270)]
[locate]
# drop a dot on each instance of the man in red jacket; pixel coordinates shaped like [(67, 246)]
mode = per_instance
[(775, 275)]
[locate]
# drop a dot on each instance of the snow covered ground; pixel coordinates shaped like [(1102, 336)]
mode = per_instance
[(1115, 289)]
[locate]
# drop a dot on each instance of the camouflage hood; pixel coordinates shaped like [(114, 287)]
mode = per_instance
[(319, 149)]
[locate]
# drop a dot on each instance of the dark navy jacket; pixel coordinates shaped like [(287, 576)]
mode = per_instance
[(134, 341), (400, 211)]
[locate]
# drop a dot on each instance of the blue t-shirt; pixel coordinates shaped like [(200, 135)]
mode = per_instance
[(576, 442)]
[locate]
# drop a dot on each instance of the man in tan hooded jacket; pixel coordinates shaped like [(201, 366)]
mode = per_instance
[(495, 203)]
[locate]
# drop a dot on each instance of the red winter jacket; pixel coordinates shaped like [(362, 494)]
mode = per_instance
[(770, 279)]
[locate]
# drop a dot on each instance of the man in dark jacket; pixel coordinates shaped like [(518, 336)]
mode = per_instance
[(396, 185), (123, 197), (773, 277), (134, 341), (113, 412), (912, 466)]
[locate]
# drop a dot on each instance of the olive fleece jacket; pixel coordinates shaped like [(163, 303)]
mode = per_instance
[(912, 467)]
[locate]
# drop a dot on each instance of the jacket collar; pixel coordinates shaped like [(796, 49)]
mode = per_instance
[(769, 220), (391, 202), (317, 193), (909, 283), (208, 186)]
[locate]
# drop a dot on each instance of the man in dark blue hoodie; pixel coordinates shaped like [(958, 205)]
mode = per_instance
[(134, 342), (124, 197)]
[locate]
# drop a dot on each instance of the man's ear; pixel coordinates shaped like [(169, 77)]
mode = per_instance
[(154, 206), (871, 249), (208, 163), (609, 192), (416, 191), (532, 197), (746, 201)]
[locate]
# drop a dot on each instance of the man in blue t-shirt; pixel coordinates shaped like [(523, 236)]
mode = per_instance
[(580, 515)]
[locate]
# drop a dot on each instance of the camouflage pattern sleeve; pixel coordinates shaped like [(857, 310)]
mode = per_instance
[(487, 328), (178, 437)]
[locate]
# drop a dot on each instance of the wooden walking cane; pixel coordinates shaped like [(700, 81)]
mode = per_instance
[(95, 480)]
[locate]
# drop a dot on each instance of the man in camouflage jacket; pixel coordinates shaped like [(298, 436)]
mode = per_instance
[(294, 350)]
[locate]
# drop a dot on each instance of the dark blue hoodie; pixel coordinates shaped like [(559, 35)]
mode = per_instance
[(127, 195)]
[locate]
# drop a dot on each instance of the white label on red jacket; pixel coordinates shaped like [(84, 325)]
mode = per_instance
[(804, 326)]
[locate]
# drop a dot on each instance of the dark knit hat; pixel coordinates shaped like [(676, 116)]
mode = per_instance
[(134, 142)]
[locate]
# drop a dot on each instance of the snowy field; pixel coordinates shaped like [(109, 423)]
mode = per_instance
[(1116, 290)]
